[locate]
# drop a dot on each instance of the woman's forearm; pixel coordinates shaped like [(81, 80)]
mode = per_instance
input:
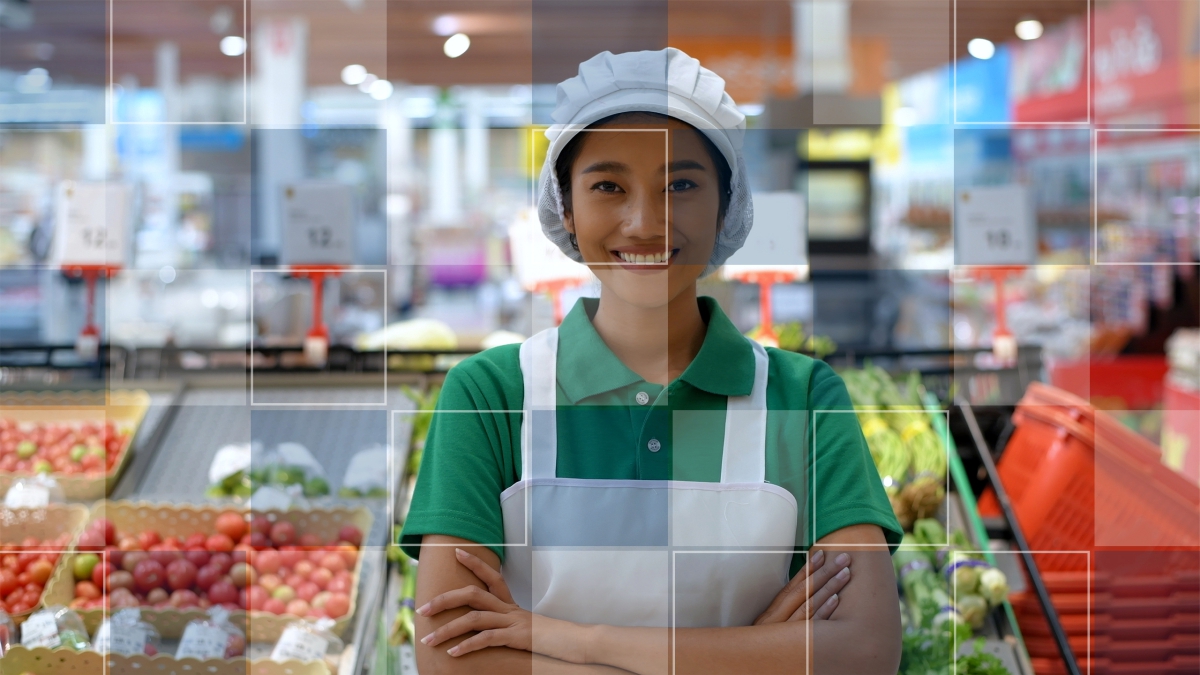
[(838, 647), (504, 661)]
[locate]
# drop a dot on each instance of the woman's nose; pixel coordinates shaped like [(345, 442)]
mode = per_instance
[(647, 216)]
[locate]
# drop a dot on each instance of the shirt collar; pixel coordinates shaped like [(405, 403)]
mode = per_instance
[(587, 367)]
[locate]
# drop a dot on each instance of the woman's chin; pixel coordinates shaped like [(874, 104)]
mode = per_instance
[(647, 291)]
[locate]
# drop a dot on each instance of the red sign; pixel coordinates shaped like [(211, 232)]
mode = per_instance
[(1048, 80), (1137, 63)]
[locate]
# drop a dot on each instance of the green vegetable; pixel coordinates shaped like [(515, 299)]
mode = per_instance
[(316, 487), (349, 493), (993, 586)]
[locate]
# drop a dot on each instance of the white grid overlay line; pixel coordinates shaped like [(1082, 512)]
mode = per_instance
[(1095, 193), (1014, 123), (535, 190), (108, 90)]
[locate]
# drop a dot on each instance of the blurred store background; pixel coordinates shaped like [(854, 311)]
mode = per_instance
[(993, 192)]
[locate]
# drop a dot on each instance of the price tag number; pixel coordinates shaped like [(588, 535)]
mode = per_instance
[(320, 237), (999, 238), (94, 237)]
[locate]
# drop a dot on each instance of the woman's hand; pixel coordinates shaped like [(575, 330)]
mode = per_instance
[(498, 620), (812, 593)]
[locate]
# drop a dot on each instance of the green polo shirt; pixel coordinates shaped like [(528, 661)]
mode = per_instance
[(815, 447)]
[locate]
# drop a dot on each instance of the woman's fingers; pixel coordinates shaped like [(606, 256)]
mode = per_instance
[(488, 638), (826, 609), (471, 621), (792, 596), (494, 580), (813, 606), (468, 596)]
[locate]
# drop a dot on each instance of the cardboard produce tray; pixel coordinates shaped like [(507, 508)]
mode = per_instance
[(125, 408), (42, 661), (181, 520), (41, 524)]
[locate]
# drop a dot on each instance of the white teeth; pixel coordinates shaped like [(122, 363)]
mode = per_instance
[(637, 259)]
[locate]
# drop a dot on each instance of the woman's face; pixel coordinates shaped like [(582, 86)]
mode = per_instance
[(644, 203)]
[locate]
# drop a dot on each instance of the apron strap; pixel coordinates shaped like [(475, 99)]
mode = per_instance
[(744, 458), (539, 427)]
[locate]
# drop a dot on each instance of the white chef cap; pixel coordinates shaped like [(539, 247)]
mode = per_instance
[(668, 82)]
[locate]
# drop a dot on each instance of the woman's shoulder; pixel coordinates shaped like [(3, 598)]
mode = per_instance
[(490, 379), (802, 375)]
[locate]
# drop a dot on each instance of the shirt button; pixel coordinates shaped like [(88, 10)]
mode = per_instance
[(642, 398), (654, 445)]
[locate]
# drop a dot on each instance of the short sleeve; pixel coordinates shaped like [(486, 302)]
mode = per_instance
[(848, 490), (468, 458)]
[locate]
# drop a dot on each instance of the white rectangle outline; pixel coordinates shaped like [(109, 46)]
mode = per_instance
[(108, 89), (1087, 556), (953, 221), (534, 189), (524, 458), (813, 481), (1088, 76), (807, 586), (1095, 192), (282, 270)]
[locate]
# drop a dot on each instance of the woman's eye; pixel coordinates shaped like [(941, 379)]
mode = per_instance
[(680, 185), (606, 186)]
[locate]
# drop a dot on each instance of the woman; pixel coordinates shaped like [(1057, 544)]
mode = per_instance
[(641, 513)]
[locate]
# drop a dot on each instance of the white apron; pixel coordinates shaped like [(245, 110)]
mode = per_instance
[(645, 552)]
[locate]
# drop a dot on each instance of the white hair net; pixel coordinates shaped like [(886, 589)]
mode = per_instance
[(668, 82)]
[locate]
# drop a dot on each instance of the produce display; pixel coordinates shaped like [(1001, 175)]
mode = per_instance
[(24, 570), (948, 592), (790, 337), (245, 565), (910, 457), (60, 448), (242, 484)]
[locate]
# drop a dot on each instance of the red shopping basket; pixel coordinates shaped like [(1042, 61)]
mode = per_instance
[(1080, 480)]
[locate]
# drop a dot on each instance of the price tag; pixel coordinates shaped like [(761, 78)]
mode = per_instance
[(994, 225), (318, 224), (202, 641), (126, 640), (92, 223), (27, 497), (778, 241), (298, 644), (40, 630), (230, 460)]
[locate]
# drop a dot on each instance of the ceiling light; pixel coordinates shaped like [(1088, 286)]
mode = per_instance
[(233, 45), (365, 85), (354, 74), (981, 49), (456, 45), (445, 24), (904, 117), (1029, 29), (380, 90)]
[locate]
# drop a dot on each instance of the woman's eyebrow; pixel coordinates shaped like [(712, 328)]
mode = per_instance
[(607, 167), (685, 165)]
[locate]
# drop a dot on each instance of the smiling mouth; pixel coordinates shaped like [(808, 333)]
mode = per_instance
[(645, 259)]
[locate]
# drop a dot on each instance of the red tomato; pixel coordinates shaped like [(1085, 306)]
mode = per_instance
[(86, 590), (40, 571), (337, 605), (304, 568), (338, 585), (181, 574), (351, 535), (290, 556), (223, 591), (207, 576), (148, 538), (232, 524), (274, 606), (267, 562), (149, 575), (219, 542), (333, 562), (321, 577)]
